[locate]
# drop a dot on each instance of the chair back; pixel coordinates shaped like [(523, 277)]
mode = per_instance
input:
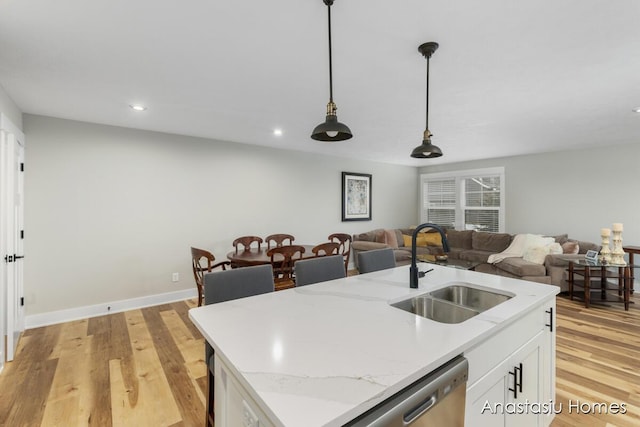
[(329, 248), (246, 241), (344, 240), (282, 260), (377, 259), (320, 269), (278, 240), (202, 262), (227, 285)]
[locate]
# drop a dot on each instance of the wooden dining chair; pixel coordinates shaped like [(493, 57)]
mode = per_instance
[(319, 269), (344, 240), (221, 286), (283, 259), (329, 248), (279, 240), (200, 267), (246, 241)]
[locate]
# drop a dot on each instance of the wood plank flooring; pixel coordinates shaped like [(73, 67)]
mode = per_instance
[(146, 368)]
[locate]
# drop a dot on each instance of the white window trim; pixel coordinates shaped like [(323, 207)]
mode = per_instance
[(460, 175)]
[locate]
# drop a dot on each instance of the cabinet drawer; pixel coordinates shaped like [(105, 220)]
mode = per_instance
[(488, 354)]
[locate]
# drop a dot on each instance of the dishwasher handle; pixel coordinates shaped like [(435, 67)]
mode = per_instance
[(413, 414)]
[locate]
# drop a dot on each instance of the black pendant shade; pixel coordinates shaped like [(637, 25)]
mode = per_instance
[(427, 150), (331, 129)]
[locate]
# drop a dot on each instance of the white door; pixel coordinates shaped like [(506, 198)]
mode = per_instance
[(11, 224)]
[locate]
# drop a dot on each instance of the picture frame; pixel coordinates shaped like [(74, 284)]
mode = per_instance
[(356, 196), (591, 255)]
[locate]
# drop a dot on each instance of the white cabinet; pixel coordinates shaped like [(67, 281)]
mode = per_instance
[(512, 383), (234, 407)]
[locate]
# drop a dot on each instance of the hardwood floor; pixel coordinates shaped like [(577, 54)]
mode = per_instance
[(146, 368)]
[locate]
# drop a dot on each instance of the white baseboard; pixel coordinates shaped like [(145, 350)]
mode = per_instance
[(68, 315)]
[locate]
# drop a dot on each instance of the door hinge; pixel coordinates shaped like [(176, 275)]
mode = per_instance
[(22, 167), (21, 301), (22, 234)]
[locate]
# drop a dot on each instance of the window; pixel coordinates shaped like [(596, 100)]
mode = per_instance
[(464, 200)]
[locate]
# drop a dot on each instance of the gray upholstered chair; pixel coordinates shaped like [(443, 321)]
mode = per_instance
[(220, 286), (377, 259), (319, 269)]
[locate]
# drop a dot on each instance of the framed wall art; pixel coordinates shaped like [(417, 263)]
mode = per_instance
[(356, 196)]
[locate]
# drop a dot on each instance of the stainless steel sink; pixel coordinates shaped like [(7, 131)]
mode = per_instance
[(435, 309), (452, 304), (474, 298)]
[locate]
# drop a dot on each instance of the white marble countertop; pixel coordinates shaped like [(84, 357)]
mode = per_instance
[(322, 354)]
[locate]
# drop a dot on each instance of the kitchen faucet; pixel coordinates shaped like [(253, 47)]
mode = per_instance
[(414, 274)]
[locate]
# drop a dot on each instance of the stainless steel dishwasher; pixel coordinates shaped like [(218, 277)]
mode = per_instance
[(436, 400)]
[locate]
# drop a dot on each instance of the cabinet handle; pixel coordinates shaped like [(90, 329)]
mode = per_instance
[(517, 380), (520, 382), (550, 324)]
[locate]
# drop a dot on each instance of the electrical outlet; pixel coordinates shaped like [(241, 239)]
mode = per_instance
[(249, 418), (175, 277)]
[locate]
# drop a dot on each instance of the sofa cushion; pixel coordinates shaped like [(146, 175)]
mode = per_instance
[(364, 245), (369, 236), (560, 238), (490, 242), (399, 237), (520, 267), (586, 246), (460, 239), (390, 238), (475, 255)]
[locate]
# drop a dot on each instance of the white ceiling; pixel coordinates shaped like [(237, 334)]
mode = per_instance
[(510, 77)]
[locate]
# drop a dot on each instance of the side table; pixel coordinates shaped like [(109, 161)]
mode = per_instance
[(631, 250), (589, 270)]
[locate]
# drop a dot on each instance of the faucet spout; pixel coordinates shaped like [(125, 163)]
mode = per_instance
[(413, 270)]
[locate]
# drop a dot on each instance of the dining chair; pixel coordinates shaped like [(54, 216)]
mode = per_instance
[(282, 260), (279, 240), (200, 268), (221, 286), (329, 248), (320, 269), (344, 240), (246, 241), (377, 259)]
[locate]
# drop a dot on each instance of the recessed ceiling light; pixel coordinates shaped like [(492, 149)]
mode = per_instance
[(636, 110), (277, 132), (137, 107)]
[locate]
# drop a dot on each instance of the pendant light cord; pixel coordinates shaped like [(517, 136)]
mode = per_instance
[(427, 119), (330, 62)]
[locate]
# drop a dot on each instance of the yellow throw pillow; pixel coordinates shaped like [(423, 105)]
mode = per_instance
[(424, 239), (433, 239)]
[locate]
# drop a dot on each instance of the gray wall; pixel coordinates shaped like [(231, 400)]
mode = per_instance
[(10, 109), (575, 192), (110, 213)]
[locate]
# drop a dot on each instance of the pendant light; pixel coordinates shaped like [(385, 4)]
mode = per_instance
[(331, 129), (427, 150)]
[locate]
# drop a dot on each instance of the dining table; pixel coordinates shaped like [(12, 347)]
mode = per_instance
[(258, 256)]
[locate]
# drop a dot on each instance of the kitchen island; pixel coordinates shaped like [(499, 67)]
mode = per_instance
[(321, 355)]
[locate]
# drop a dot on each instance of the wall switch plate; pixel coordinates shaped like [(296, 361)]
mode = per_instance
[(175, 277)]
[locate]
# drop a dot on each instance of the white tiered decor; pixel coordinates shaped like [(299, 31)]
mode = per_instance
[(605, 253), (617, 255)]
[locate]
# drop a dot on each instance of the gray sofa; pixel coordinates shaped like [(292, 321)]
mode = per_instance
[(471, 245)]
